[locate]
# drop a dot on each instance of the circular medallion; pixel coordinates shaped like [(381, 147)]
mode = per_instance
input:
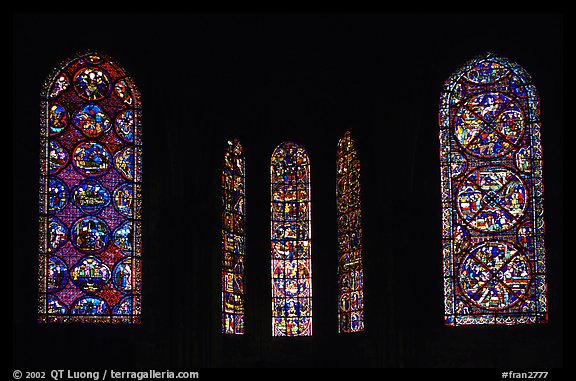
[(90, 196), (489, 125), (92, 83), (90, 274), (491, 199), (90, 235), (92, 121), (495, 275), (91, 159)]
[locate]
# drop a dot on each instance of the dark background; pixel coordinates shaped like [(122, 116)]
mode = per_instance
[(266, 79)]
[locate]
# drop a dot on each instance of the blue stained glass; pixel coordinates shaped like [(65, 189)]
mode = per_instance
[(491, 165), (291, 241), (90, 194)]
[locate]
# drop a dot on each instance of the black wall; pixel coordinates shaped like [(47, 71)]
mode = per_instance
[(266, 79)]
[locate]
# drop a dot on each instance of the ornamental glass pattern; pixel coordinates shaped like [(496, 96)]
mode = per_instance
[(290, 236), (233, 239), (349, 212), (90, 194), (492, 196)]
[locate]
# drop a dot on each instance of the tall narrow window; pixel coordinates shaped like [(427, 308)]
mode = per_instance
[(290, 235), (350, 270), (233, 239), (90, 194), (492, 212)]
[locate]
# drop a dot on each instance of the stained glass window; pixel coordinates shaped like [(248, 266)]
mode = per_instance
[(350, 269), (233, 239), (492, 212), (290, 235), (90, 194)]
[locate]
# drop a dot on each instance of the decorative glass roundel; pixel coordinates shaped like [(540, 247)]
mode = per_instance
[(491, 199), (489, 125), (91, 196), (92, 83), (91, 159), (91, 120), (90, 274), (90, 235), (495, 275)]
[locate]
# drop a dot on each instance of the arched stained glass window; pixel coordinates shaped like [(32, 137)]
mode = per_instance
[(233, 239), (290, 235), (90, 194), (492, 208), (350, 269)]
